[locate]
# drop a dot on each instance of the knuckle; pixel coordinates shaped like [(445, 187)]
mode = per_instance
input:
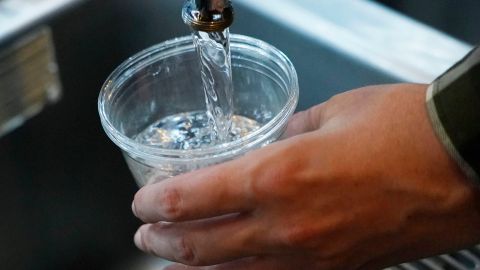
[(170, 204), (258, 186), (276, 182), (299, 236), (185, 252), (138, 202), (253, 173), (312, 115), (145, 240)]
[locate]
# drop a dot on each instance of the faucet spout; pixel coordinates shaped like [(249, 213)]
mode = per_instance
[(208, 15)]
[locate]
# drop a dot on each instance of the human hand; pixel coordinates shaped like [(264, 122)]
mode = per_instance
[(359, 182)]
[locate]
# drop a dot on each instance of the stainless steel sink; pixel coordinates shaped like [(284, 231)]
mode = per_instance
[(66, 191), (462, 260)]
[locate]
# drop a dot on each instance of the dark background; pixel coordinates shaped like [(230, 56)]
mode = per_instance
[(459, 18), (65, 190)]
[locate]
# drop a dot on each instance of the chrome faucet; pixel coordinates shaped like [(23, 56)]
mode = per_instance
[(208, 15)]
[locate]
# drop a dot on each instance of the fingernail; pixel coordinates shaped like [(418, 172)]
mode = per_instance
[(137, 239), (134, 210)]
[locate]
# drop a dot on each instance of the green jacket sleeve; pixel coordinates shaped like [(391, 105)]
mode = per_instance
[(453, 102)]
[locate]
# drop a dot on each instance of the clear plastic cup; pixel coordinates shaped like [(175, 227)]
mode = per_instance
[(165, 80)]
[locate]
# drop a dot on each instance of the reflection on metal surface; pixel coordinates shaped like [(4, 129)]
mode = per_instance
[(386, 40), (462, 260), (28, 79), (19, 15), (208, 15)]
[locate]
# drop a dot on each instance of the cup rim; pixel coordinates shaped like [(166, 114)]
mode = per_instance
[(163, 50)]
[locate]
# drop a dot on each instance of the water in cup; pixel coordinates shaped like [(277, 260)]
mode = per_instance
[(191, 130)]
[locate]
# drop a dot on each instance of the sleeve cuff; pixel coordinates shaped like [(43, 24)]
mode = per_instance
[(445, 138)]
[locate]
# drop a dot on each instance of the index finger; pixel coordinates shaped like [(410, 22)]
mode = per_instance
[(208, 192), (304, 121)]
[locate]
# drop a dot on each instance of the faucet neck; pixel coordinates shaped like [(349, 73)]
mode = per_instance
[(208, 15)]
